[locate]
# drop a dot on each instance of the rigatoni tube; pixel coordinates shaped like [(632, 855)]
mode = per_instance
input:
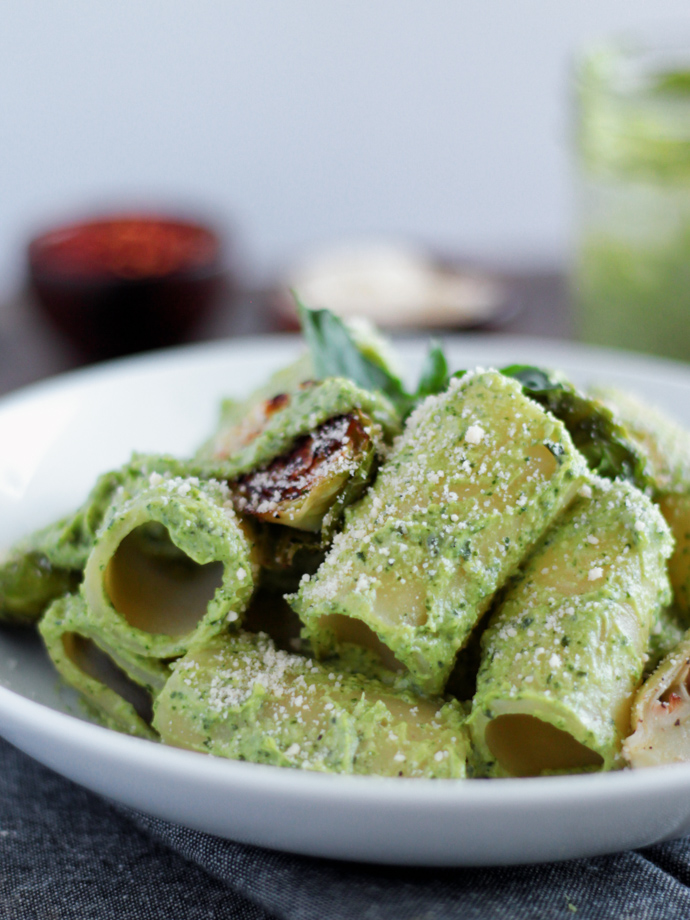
[(118, 686), (242, 698), (478, 475), (666, 447), (50, 562), (564, 653), (170, 567)]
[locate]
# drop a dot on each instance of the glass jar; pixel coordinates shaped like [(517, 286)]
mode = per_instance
[(632, 268)]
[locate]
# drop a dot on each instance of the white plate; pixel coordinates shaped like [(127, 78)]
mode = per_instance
[(57, 436)]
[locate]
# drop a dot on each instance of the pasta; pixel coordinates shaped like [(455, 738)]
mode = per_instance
[(487, 576), (241, 697), (118, 686), (453, 512), (666, 447), (159, 597), (565, 651)]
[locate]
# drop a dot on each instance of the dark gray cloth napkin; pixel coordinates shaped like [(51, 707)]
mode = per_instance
[(68, 854)]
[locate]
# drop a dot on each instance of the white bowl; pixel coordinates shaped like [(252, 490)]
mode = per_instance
[(56, 437)]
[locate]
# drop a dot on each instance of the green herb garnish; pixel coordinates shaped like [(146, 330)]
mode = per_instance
[(334, 353)]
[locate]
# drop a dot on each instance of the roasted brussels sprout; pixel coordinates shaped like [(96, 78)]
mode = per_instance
[(308, 487)]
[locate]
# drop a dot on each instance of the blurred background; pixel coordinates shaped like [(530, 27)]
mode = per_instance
[(441, 131)]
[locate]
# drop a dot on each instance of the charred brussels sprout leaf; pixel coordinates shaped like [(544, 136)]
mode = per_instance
[(28, 583), (604, 443), (534, 380), (308, 487)]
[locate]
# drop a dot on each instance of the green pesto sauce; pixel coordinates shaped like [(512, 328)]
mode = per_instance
[(458, 504), (242, 698), (304, 411), (178, 586), (117, 687), (635, 293), (50, 562), (569, 643), (235, 695)]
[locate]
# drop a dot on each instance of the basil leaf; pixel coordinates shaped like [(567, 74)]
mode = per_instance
[(434, 376), (335, 354)]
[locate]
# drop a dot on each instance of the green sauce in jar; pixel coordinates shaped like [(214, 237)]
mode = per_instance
[(632, 272)]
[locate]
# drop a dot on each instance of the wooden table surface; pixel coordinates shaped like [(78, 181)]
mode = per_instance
[(31, 350)]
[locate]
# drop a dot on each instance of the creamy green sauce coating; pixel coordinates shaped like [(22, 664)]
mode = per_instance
[(157, 603), (567, 647), (68, 543), (666, 446), (263, 436), (478, 475), (118, 687), (50, 562), (667, 633), (241, 697)]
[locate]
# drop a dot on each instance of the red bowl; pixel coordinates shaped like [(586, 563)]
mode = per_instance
[(126, 283)]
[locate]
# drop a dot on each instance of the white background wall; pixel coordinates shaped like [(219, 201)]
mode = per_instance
[(301, 120)]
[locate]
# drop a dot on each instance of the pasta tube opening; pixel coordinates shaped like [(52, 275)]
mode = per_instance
[(165, 593), (95, 663), (349, 631), (527, 746), (117, 687), (170, 567)]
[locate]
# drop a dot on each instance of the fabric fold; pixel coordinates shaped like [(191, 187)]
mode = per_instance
[(66, 853)]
